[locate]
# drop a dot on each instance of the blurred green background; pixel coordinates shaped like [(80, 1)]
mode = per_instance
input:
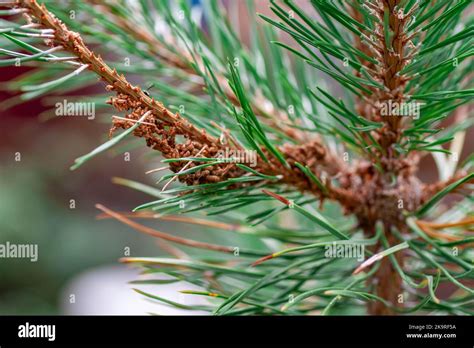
[(35, 195)]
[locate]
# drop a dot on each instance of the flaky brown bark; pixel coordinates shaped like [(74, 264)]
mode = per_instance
[(392, 57)]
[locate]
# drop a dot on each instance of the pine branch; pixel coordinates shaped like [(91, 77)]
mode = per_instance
[(390, 42), (180, 59), (387, 56), (132, 97)]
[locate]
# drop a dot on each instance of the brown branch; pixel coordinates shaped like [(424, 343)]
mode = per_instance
[(391, 61), (386, 281), (162, 126), (392, 58)]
